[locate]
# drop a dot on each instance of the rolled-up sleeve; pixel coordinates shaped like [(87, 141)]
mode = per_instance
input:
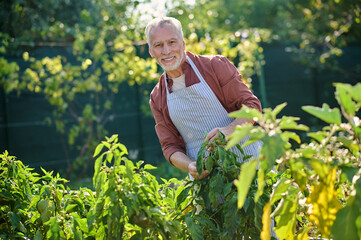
[(169, 137), (235, 91)]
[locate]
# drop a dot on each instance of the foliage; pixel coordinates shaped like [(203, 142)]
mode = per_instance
[(292, 22), (81, 92), (214, 204), (310, 190), (128, 202), (107, 43), (319, 45), (321, 190)]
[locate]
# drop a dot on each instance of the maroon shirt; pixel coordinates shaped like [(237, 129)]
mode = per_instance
[(224, 80)]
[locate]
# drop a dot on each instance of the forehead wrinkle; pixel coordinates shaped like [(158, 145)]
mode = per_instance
[(164, 26)]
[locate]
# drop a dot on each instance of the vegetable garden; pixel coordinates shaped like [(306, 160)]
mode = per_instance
[(304, 185), (308, 189)]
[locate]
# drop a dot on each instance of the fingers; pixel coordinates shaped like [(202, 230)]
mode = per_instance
[(192, 169), (211, 135)]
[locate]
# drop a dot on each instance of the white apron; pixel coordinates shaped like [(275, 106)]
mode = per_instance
[(195, 110)]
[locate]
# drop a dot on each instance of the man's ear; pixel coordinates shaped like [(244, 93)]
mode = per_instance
[(150, 52)]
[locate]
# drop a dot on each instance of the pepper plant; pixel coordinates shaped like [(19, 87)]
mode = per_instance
[(322, 190), (215, 214)]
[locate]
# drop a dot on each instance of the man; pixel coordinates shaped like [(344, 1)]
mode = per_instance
[(193, 96)]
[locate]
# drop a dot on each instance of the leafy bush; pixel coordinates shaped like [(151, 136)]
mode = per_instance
[(128, 202), (321, 194), (313, 190)]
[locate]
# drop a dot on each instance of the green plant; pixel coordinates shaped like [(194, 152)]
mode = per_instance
[(38, 207), (214, 213), (322, 190), (129, 201)]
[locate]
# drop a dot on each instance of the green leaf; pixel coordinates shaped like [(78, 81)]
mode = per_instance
[(350, 144), (325, 113), (200, 157), (231, 219), (247, 112), (101, 233), (54, 230), (278, 109), (82, 222), (182, 195), (149, 167), (286, 135), (14, 219), (240, 132), (318, 136), (97, 166), (38, 235), (286, 216), (98, 149), (279, 189), (344, 226), (123, 148), (248, 171), (261, 181), (344, 98), (195, 229), (199, 166), (290, 123), (216, 186), (272, 149), (355, 92), (209, 163)]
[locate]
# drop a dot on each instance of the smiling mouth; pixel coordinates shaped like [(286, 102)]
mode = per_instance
[(168, 59)]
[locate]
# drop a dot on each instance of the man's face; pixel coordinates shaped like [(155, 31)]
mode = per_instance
[(167, 47)]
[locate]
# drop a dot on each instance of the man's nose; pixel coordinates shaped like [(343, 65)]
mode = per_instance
[(166, 49)]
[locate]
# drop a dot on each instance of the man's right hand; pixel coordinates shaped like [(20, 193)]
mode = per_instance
[(192, 169)]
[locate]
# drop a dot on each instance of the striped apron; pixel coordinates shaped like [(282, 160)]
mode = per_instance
[(196, 110)]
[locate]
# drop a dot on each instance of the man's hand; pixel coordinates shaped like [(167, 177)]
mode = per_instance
[(212, 135), (192, 169)]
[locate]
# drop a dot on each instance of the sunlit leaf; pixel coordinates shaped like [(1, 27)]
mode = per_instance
[(290, 123), (280, 189), (261, 180), (272, 149), (266, 221), (240, 132), (286, 135), (318, 136), (286, 216), (248, 170), (344, 94), (247, 112), (325, 113), (149, 167), (278, 109), (324, 202)]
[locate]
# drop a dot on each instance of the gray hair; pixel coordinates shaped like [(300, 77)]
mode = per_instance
[(160, 22)]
